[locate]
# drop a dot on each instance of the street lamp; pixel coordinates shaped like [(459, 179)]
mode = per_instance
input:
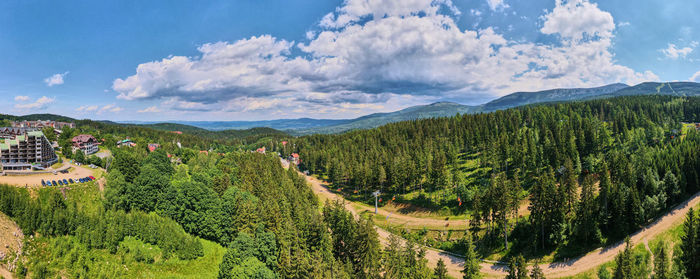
[(376, 195)]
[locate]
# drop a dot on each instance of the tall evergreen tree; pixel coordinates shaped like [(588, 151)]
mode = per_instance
[(661, 262), (689, 245), (624, 262), (472, 269), (440, 270)]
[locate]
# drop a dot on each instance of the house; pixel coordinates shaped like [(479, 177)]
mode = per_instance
[(176, 132), (153, 146), (294, 159), (126, 142), (86, 143), (260, 150)]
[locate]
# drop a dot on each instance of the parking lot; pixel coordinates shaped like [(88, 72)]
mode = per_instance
[(34, 180)]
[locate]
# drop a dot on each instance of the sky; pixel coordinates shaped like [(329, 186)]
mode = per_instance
[(272, 59)]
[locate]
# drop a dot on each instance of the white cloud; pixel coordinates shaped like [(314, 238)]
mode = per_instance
[(497, 5), (695, 77), (378, 52), (623, 23), (56, 79), (21, 98), (578, 19), (150, 109), (40, 103), (674, 53), (87, 108), (110, 108)]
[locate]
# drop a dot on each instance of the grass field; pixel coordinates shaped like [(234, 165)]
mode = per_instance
[(67, 257)]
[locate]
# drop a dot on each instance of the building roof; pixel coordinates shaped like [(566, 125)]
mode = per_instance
[(80, 139), (4, 146), (35, 134), (295, 155)]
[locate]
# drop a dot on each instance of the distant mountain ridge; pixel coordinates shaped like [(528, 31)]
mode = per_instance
[(305, 126), (552, 95)]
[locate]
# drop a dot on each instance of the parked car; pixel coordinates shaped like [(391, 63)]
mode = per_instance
[(92, 177), (54, 183), (48, 183), (65, 181), (43, 183), (71, 180), (60, 182)]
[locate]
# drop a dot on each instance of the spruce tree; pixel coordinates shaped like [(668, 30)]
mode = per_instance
[(536, 272), (661, 263), (471, 263), (689, 245), (623, 262), (440, 270)]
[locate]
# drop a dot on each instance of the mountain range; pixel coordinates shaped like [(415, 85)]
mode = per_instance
[(305, 126)]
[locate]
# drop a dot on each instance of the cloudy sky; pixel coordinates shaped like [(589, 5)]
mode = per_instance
[(253, 60)]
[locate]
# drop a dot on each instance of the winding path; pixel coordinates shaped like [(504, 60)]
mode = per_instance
[(552, 270)]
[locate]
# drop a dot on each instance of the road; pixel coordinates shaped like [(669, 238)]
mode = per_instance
[(553, 270)]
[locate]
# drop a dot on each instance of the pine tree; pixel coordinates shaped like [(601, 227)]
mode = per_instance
[(471, 263), (522, 267), (661, 262), (440, 270), (623, 262), (536, 272), (689, 245)]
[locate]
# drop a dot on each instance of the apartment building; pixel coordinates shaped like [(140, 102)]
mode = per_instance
[(41, 124), (86, 143), (26, 150)]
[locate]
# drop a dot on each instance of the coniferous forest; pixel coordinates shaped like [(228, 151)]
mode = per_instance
[(592, 171), (589, 172)]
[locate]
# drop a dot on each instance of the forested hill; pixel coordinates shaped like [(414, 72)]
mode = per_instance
[(441, 109), (517, 99), (553, 95), (637, 148), (32, 117), (238, 134)]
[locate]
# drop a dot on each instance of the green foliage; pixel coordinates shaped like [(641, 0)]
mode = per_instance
[(440, 270), (472, 269), (50, 215), (690, 246)]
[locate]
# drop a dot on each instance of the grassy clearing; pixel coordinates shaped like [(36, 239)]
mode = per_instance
[(66, 257)]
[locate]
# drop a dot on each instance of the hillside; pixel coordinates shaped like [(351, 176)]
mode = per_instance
[(665, 88), (33, 117), (553, 95), (441, 109)]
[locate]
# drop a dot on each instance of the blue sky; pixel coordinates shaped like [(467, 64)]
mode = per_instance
[(252, 60)]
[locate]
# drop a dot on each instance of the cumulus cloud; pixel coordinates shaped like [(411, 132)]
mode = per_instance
[(695, 77), (497, 5), (56, 79), (150, 109), (40, 103), (378, 52), (578, 19), (675, 53), (21, 98), (87, 108), (110, 108)]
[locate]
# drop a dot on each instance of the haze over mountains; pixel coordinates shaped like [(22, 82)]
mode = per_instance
[(304, 126)]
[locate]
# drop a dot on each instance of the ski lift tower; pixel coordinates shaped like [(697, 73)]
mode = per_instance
[(376, 196)]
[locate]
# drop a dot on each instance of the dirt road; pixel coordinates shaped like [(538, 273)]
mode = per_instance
[(553, 270), (394, 216)]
